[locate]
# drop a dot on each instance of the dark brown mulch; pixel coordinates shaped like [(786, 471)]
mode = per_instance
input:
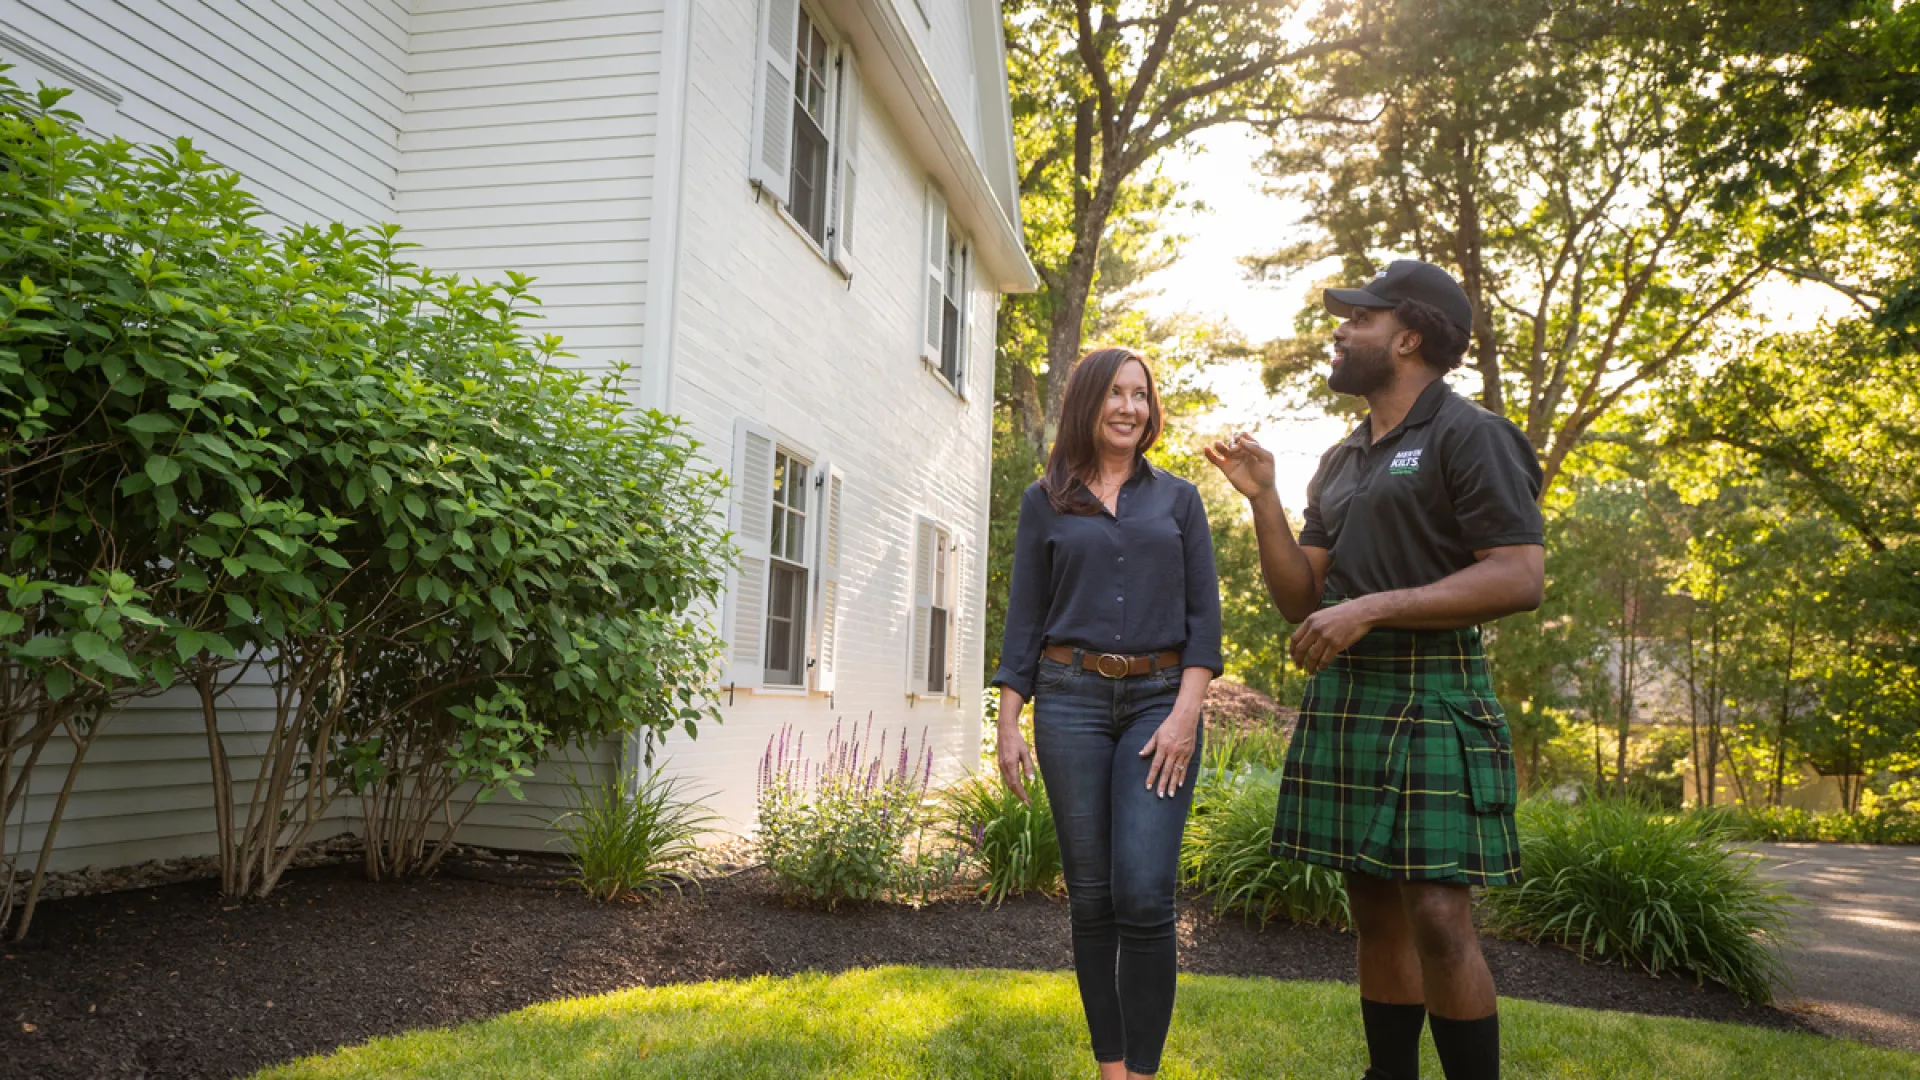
[(1238, 707), (171, 982)]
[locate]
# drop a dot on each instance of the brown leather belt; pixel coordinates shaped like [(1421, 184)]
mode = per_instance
[(1114, 665)]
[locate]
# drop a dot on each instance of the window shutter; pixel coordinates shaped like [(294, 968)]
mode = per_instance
[(966, 319), (935, 274), (954, 592), (826, 658), (847, 148), (773, 100), (752, 531), (922, 607)]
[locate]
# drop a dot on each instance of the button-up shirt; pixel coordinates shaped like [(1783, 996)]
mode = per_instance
[(1138, 579), (1411, 509)]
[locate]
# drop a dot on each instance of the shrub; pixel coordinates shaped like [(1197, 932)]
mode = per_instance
[(624, 837), (1013, 842), (1226, 856), (450, 554), (1619, 880), (1882, 823), (838, 829)]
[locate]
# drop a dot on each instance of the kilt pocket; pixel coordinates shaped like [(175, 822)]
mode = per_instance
[(1488, 749)]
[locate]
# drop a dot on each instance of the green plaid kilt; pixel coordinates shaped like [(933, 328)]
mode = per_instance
[(1401, 766)]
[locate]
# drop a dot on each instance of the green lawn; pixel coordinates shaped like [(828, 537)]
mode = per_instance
[(995, 1025)]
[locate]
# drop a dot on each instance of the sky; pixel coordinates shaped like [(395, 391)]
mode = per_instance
[(1237, 218)]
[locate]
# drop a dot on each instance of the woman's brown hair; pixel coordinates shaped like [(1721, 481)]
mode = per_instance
[(1076, 455)]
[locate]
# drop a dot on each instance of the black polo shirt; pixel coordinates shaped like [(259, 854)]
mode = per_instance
[(1412, 508)]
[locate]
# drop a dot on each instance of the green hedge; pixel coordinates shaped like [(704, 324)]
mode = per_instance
[(451, 553)]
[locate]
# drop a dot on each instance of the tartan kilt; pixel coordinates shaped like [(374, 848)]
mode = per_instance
[(1401, 766)]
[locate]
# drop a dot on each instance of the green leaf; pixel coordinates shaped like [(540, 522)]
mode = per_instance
[(240, 607), (162, 470), (11, 622), (152, 423), (501, 543), (59, 683), (44, 647), (415, 505), (89, 646), (356, 492)]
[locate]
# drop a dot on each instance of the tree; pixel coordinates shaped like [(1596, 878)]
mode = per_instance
[(1540, 150), (1100, 91)]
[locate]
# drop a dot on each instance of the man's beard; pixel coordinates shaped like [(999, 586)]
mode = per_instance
[(1365, 370)]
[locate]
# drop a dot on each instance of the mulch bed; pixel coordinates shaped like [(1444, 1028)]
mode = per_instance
[(173, 982)]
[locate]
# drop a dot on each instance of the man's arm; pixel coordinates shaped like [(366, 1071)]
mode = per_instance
[(1294, 574), (1502, 581)]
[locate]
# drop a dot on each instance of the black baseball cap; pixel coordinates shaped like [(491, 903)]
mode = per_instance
[(1407, 279)]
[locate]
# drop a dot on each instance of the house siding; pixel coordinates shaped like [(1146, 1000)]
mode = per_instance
[(305, 101), (523, 136), (768, 330)]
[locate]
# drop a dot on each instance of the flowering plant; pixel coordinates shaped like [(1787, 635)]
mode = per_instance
[(837, 829)]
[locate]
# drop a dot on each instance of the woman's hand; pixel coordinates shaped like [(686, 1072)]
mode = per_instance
[(1010, 747), (1171, 748), (1247, 465)]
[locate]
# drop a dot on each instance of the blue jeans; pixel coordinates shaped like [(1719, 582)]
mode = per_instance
[(1119, 848)]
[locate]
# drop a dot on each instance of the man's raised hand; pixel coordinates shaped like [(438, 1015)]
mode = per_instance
[(1246, 464)]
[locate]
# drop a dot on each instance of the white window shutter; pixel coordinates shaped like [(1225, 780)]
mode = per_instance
[(922, 607), (826, 655), (772, 163), (954, 590), (753, 446), (966, 320), (846, 173), (935, 273)]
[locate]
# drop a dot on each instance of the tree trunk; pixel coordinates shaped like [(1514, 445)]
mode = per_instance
[(1485, 345), (1780, 727), (1093, 204), (1693, 704), (1629, 637)]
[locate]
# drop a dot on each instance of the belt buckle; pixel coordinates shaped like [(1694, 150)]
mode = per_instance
[(1100, 665)]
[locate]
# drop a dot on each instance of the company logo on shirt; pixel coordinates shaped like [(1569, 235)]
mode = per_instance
[(1405, 462)]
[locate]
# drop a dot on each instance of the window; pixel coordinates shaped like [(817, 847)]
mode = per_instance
[(936, 634), (946, 289), (787, 575), (807, 111), (952, 309), (782, 612), (813, 73)]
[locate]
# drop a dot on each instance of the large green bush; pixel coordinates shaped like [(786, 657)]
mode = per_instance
[(227, 449), (1623, 881)]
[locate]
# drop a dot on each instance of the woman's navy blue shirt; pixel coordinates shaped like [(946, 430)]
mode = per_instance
[(1138, 581)]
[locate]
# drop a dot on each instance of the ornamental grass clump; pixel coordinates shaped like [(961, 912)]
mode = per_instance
[(626, 839), (1622, 881), (838, 828), (1013, 842), (1226, 856)]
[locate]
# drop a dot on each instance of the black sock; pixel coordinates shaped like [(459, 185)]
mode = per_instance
[(1393, 1039), (1469, 1049)]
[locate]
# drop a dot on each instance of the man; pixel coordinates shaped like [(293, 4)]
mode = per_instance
[(1421, 525)]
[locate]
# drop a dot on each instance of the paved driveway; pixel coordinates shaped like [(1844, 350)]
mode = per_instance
[(1856, 969)]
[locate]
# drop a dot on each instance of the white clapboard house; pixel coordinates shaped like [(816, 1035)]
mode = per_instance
[(794, 218)]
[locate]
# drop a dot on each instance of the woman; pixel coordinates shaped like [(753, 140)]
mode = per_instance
[(1113, 629)]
